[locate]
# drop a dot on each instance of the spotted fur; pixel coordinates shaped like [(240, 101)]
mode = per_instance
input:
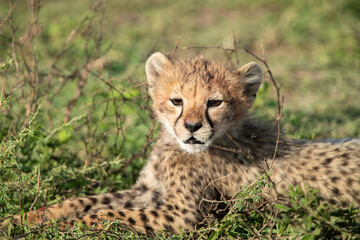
[(208, 148)]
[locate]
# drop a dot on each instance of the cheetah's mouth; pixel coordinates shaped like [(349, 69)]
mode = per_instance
[(193, 140)]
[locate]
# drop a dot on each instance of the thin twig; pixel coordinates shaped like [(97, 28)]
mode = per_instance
[(37, 190), (2, 90), (9, 13), (176, 47), (235, 47)]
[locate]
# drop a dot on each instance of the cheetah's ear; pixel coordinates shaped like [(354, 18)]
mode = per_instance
[(252, 76), (154, 66)]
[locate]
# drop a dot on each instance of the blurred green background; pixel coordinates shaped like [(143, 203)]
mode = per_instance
[(73, 87), (312, 46)]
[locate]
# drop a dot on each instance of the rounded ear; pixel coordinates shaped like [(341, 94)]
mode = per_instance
[(252, 76), (154, 66)]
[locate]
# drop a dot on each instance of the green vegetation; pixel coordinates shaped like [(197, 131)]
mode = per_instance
[(75, 118)]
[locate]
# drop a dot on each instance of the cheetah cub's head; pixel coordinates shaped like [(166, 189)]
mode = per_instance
[(197, 101)]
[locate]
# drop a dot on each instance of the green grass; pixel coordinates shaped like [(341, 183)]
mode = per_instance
[(75, 106)]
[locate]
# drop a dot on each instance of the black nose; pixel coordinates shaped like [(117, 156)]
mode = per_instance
[(193, 127)]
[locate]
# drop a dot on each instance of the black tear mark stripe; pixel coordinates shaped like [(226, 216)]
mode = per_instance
[(178, 117), (195, 88), (208, 118)]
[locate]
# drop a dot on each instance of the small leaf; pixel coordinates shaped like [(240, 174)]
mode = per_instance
[(308, 223), (282, 228), (308, 237), (295, 204), (63, 135), (282, 207), (316, 232)]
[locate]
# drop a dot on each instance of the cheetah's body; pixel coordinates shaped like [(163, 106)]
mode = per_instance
[(209, 148)]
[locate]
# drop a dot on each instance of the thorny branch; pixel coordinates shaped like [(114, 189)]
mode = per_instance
[(24, 88)]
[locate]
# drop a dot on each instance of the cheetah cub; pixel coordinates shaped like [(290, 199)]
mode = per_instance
[(207, 149)]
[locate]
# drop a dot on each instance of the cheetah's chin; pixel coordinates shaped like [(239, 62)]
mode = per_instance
[(193, 146), (193, 140)]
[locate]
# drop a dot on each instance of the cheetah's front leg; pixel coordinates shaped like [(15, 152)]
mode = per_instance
[(169, 217), (75, 208)]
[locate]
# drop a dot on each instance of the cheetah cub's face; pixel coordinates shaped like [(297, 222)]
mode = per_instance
[(197, 101)]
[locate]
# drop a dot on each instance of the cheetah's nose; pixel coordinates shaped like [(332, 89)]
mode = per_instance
[(193, 127)]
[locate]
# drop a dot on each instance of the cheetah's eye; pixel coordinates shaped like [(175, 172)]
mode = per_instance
[(176, 102), (214, 103)]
